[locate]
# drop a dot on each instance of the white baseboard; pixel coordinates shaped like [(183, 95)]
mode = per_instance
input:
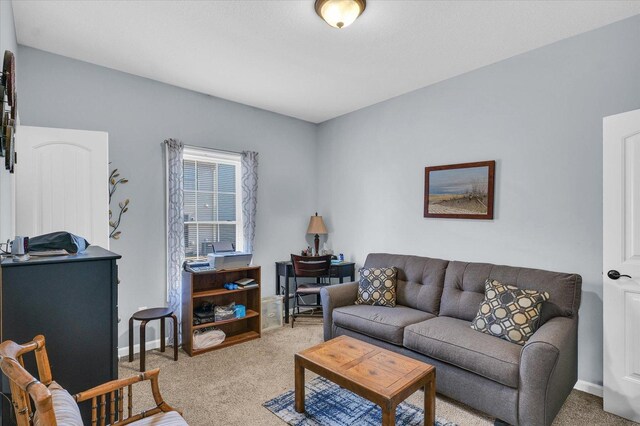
[(153, 344), (589, 387)]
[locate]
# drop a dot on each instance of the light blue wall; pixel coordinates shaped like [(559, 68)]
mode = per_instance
[(7, 42), (139, 114), (539, 115)]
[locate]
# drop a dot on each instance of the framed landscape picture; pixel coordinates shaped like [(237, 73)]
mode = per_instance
[(459, 191)]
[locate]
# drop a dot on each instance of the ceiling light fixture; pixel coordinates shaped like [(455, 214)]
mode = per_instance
[(340, 13)]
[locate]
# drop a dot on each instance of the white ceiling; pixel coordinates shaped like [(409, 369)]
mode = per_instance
[(280, 56)]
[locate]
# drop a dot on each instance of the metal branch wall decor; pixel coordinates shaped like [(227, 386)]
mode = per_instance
[(114, 181), (8, 110)]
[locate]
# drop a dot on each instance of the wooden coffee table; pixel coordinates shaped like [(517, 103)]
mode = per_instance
[(381, 376)]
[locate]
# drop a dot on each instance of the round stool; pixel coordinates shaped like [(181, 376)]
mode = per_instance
[(145, 316)]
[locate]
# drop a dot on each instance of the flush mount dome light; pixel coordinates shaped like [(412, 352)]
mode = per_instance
[(340, 13)]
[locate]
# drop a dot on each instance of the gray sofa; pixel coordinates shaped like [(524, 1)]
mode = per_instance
[(436, 302)]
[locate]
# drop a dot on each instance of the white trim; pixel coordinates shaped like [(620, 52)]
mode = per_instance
[(195, 153), (153, 344), (589, 387)]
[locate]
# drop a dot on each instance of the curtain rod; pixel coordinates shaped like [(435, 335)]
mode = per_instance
[(213, 149), (207, 149)]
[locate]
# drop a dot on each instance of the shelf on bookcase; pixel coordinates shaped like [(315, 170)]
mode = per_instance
[(220, 292), (230, 340), (250, 314)]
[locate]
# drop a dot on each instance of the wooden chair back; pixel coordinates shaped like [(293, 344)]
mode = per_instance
[(23, 385), (106, 396), (311, 266)]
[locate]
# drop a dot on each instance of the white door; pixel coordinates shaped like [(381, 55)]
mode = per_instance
[(621, 255), (62, 183)]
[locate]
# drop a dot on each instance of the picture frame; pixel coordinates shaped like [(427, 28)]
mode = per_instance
[(460, 191)]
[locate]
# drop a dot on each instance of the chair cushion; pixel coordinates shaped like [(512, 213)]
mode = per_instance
[(377, 287), (380, 322), (172, 418), (451, 340), (508, 312), (65, 408)]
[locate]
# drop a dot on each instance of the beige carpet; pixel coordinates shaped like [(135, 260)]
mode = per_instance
[(228, 386)]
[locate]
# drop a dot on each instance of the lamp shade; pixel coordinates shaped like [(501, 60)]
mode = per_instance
[(316, 225), (339, 13)]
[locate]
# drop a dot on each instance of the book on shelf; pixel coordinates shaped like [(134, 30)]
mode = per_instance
[(253, 285), (243, 282)]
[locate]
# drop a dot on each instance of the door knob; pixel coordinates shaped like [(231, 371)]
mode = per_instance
[(614, 275)]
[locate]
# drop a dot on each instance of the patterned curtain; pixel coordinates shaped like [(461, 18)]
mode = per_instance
[(175, 229), (249, 197)]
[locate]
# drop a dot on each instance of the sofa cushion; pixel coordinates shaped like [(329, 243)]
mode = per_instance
[(464, 288), (65, 408), (420, 279), (377, 287), (172, 418), (380, 322), (452, 340), (510, 313)]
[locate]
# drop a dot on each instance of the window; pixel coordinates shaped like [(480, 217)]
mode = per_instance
[(212, 200)]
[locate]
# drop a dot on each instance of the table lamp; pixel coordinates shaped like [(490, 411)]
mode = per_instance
[(316, 226)]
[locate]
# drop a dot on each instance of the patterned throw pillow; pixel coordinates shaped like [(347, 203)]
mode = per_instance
[(508, 312), (377, 287)]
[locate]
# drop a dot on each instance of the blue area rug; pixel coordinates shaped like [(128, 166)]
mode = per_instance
[(327, 404)]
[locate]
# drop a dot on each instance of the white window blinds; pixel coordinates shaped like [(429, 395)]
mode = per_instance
[(211, 201)]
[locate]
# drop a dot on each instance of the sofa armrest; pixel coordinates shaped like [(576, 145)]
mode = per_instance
[(548, 371), (335, 296)]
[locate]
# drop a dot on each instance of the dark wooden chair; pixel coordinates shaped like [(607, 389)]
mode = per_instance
[(107, 400), (318, 267)]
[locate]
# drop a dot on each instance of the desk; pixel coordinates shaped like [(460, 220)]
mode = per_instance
[(284, 268)]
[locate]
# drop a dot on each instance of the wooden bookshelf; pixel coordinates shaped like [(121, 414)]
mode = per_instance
[(209, 287)]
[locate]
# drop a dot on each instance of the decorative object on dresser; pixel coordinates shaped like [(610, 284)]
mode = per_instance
[(208, 288), (54, 406), (316, 226), (459, 191), (72, 300)]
